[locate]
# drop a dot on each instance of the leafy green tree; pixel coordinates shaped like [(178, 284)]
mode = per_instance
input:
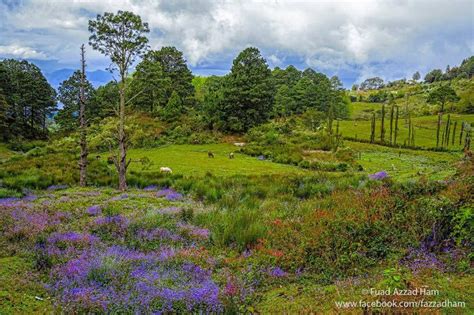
[(174, 108), (285, 102), (149, 87), (441, 95), (336, 84), (433, 76), (248, 92), (466, 69), (3, 117), (416, 76), (68, 94), (121, 37), (30, 98), (211, 105), (106, 99), (176, 75), (289, 76), (374, 83)]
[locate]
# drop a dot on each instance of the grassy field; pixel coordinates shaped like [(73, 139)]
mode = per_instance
[(425, 129), (404, 164), (193, 160)]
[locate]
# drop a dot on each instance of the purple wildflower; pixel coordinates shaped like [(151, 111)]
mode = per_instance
[(56, 187), (276, 272), (94, 210), (379, 175), (119, 197), (169, 194), (150, 188), (194, 231)]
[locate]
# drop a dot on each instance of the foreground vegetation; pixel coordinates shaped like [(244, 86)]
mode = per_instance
[(261, 191)]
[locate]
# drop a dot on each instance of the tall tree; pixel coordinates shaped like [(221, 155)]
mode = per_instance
[(30, 98), (416, 76), (69, 94), (121, 37), (248, 92), (441, 95), (83, 123)]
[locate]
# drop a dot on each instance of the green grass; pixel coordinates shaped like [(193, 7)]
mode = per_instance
[(403, 164), (193, 160), (425, 129), (363, 110), (20, 290), (5, 153)]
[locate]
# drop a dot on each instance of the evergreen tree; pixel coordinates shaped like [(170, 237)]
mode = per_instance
[(248, 92), (121, 37), (69, 95)]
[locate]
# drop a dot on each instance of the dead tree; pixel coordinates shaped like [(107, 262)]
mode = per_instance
[(438, 127), (396, 128), (461, 133), (372, 129), (391, 123), (83, 123), (454, 132)]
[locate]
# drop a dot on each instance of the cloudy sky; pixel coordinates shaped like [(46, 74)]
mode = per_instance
[(353, 39)]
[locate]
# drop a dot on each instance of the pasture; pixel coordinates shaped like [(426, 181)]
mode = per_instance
[(425, 130), (193, 160)]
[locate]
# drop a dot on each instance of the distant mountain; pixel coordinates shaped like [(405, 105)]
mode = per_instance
[(97, 77)]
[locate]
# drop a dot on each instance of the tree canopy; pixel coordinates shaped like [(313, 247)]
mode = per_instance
[(27, 100)]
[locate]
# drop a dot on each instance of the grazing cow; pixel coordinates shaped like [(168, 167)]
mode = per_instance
[(239, 144), (231, 155), (165, 169), (210, 154)]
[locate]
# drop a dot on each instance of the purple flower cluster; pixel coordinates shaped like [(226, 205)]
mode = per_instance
[(28, 223), (378, 176), (169, 194), (56, 187), (157, 234), (150, 188), (194, 231), (113, 226), (119, 197), (9, 202), (420, 259), (169, 210), (116, 279), (276, 272), (94, 210)]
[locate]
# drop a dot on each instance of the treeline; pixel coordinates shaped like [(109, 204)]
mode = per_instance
[(26, 101), (163, 86), (464, 71)]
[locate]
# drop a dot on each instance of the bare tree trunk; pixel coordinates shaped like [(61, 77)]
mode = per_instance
[(391, 124), (83, 124), (454, 132), (382, 128), (438, 127), (122, 162), (461, 133), (396, 129)]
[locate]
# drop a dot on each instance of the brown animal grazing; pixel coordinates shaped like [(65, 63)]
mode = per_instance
[(210, 154), (231, 155)]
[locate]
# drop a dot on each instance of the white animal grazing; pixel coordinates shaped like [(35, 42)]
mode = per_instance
[(239, 144), (165, 169)]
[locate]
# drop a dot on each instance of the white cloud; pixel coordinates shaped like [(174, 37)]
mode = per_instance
[(326, 35), (17, 51)]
